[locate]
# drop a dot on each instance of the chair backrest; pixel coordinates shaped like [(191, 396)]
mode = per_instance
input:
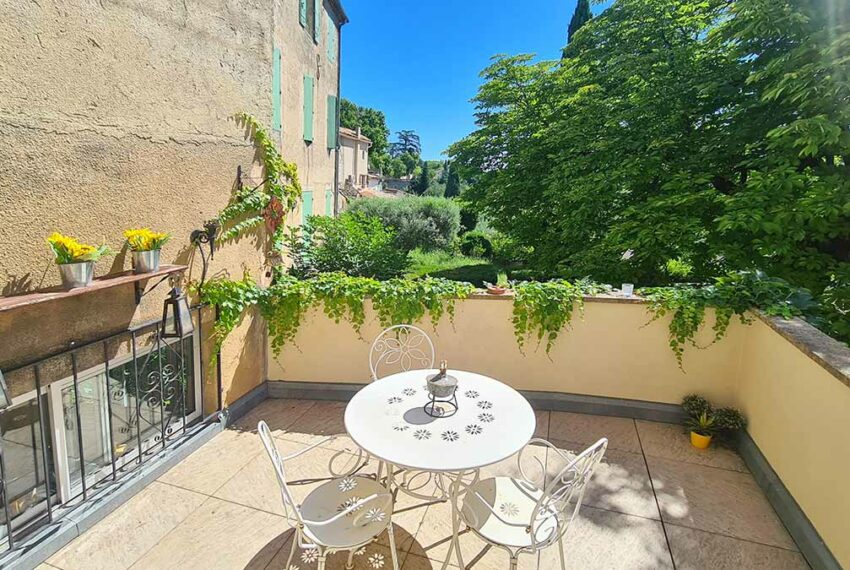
[(280, 473), (562, 496), (401, 348)]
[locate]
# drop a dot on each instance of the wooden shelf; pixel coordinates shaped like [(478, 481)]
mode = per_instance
[(99, 284)]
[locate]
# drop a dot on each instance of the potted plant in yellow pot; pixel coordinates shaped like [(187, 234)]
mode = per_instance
[(702, 429), (146, 246), (75, 260)]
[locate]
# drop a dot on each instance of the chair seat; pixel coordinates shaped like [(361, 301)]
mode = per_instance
[(514, 500), (354, 529)]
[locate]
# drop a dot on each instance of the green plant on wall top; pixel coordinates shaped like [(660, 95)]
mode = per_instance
[(543, 309), (270, 201), (730, 295), (284, 303)]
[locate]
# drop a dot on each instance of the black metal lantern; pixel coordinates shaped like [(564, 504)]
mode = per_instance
[(5, 400), (176, 315)]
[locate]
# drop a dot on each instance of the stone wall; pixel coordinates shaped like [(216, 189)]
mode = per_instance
[(118, 114)]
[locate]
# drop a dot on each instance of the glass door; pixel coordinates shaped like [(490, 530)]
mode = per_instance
[(23, 455)]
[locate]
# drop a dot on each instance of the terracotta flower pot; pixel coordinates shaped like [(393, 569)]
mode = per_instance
[(496, 290)]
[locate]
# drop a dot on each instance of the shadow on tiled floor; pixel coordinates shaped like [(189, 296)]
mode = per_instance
[(654, 501)]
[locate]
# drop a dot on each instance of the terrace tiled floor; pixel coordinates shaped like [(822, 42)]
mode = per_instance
[(654, 503)]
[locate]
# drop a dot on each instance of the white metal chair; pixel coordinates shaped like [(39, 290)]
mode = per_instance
[(403, 347), (527, 515), (343, 514)]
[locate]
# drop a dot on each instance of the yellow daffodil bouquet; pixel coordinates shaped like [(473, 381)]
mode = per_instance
[(145, 240), (68, 250)]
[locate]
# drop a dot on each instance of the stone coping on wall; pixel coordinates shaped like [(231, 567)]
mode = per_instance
[(831, 354)]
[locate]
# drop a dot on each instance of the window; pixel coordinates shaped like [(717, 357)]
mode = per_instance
[(309, 15), (124, 408), (20, 426)]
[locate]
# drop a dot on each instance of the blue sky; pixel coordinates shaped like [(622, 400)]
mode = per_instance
[(419, 61)]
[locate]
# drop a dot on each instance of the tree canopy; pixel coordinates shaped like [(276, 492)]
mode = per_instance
[(371, 122), (581, 16), (676, 140), (407, 143)]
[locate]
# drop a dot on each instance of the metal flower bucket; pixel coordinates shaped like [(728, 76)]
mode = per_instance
[(441, 386), (146, 261), (77, 274)]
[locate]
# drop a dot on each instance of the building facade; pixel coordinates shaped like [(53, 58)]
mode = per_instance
[(118, 115), (354, 158)]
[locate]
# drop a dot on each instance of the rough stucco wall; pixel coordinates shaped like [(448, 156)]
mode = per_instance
[(301, 56), (116, 114), (610, 351)]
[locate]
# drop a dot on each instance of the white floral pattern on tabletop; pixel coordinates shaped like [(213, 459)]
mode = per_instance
[(347, 484), (376, 560), (486, 417), (509, 509)]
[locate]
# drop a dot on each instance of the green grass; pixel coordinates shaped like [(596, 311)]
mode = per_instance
[(455, 267)]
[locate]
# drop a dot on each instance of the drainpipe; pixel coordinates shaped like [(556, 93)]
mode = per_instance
[(338, 108)]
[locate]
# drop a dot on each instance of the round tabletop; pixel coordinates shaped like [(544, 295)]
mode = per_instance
[(387, 419)]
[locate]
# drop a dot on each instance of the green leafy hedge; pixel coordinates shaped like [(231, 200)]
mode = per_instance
[(419, 222)]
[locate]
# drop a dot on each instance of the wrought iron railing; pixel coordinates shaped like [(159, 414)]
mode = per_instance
[(88, 415)]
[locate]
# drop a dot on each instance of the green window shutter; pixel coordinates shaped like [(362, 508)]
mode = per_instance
[(277, 117), (333, 129), (329, 202), (317, 21), (331, 39), (306, 205), (302, 12), (308, 108)]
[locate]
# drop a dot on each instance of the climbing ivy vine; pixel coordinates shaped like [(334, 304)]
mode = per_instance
[(730, 295), (541, 310), (284, 303), (268, 202)]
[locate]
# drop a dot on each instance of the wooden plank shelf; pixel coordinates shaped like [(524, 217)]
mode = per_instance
[(99, 284)]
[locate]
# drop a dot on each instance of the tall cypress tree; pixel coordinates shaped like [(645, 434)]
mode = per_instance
[(580, 17)]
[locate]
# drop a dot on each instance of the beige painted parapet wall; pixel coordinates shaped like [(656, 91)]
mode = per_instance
[(796, 395), (610, 351), (793, 386)]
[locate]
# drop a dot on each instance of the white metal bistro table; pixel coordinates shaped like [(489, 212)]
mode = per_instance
[(493, 421)]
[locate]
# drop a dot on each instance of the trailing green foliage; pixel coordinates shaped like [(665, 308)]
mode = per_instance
[(352, 243), (419, 222), (407, 301), (734, 294), (543, 309), (270, 201), (284, 303), (231, 298)]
